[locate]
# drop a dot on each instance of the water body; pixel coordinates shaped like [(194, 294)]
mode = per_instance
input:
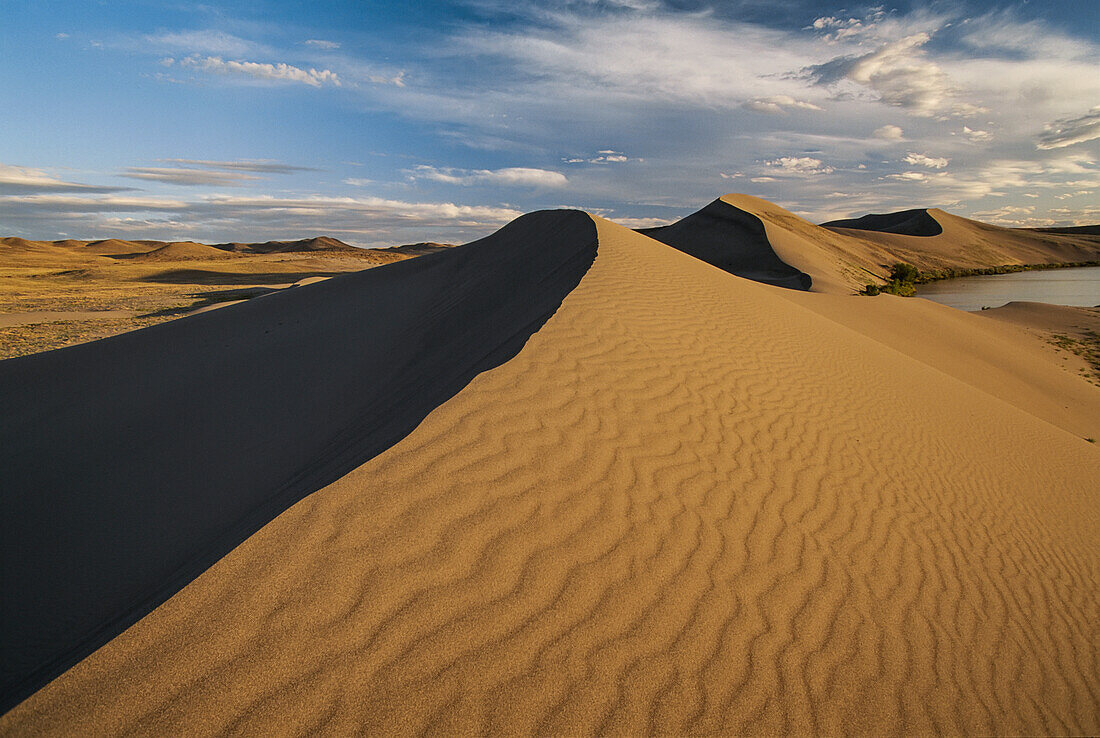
[(1078, 286)]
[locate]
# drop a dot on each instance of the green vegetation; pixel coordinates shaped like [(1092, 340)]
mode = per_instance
[(954, 272), (904, 277)]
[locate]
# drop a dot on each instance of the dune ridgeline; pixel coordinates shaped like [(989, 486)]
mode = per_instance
[(568, 479)]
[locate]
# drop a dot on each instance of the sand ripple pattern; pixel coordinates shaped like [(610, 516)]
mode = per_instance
[(686, 506)]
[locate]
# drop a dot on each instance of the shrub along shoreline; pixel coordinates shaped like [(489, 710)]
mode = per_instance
[(904, 277)]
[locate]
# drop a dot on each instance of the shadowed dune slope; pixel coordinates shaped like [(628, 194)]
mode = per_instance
[(915, 222), (732, 240), (132, 463), (687, 505)]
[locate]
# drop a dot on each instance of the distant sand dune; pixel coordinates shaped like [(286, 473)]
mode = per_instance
[(968, 243), (690, 504), (918, 222)]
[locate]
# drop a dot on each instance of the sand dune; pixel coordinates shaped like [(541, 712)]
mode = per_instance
[(320, 243), (184, 251), (916, 222), (759, 240), (691, 503), (733, 240), (134, 462), (971, 244)]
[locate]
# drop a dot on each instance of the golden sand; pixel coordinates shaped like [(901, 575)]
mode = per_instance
[(691, 504)]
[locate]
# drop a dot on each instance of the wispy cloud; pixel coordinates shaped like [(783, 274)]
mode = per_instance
[(932, 162), (187, 177), (279, 72), (318, 43), (199, 172), (801, 166), (889, 133), (778, 104), (267, 166), (362, 220), (202, 42), (897, 73), (1070, 131), (605, 156), (510, 176), (15, 180)]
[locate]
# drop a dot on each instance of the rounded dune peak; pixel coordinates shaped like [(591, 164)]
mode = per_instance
[(186, 251), (734, 240), (914, 222)]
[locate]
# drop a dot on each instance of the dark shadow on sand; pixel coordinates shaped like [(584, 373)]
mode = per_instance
[(132, 464), (730, 239)]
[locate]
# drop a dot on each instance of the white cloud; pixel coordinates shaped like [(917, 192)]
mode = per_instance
[(909, 176), (605, 156), (932, 162), (510, 176), (977, 136), (195, 172), (61, 36), (898, 73), (16, 180), (798, 166), (837, 29), (1070, 131), (279, 72), (268, 166), (203, 42), (687, 58), (778, 104), (318, 43), (213, 218), (189, 177), (889, 133), (642, 222)]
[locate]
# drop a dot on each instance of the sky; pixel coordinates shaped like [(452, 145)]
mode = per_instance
[(386, 123)]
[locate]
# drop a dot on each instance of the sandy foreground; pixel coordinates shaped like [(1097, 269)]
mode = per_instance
[(691, 503)]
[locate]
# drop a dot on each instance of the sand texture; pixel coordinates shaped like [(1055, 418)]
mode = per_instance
[(690, 504), (125, 476)]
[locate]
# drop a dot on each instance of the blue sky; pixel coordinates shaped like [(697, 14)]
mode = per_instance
[(384, 123)]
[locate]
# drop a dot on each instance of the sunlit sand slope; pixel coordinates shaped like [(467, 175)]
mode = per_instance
[(1002, 360), (131, 464), (688, 505)]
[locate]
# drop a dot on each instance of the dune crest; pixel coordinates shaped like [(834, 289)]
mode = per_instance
[(687, 505), (133, 463), (916, 222)]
